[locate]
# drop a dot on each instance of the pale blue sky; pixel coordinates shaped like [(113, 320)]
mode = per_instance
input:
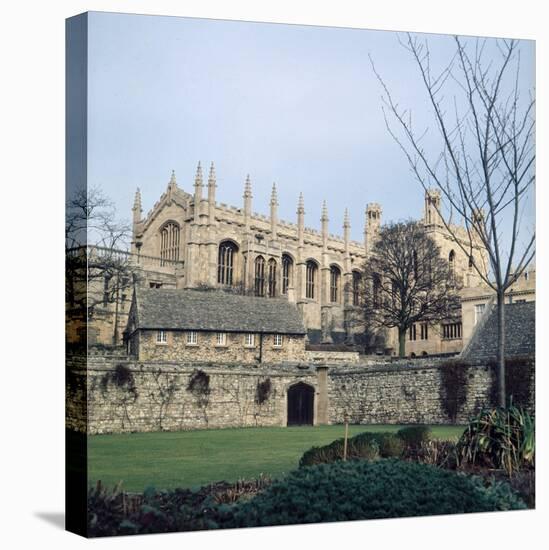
[(298, 105)]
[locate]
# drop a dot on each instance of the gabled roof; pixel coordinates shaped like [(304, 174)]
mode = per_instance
[(520, 333), (214, 310)]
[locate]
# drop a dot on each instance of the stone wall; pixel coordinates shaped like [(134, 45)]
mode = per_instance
[(157, 396), (207, 350), (406, 392), (125, 395)]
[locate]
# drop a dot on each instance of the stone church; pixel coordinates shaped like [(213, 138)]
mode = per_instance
[(190, 241)]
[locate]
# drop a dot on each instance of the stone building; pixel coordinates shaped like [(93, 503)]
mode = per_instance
[(221, 246), (187, 325)]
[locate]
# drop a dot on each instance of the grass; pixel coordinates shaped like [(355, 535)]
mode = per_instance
[(192, 458)]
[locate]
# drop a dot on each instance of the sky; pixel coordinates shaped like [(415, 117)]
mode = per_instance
[(291, 104)]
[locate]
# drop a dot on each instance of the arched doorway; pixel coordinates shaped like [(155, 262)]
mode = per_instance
[(301, 399)]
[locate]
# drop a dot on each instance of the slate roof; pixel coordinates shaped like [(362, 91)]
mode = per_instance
[(214, 310), (520, 333)]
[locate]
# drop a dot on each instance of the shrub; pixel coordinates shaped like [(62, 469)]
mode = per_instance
[(499, 438), (435, 452), (356, 490), (414, 436), (366, 446), (391, 446)]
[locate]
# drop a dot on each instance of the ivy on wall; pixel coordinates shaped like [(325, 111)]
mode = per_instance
[(454, 387), (519, 381)]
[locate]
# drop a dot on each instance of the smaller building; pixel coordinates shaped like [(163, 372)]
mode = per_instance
[(213, 326)]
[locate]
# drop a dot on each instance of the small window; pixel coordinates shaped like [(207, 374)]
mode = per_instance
[(249, 340), (221, 339), (161, 337), (192, 338), (424, 331), (155, 285), (277, 340), (479, 310)]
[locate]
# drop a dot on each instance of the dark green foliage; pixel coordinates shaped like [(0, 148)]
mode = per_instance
[(263, 391), (519, 381), (453, 395), (121, 377), (367, 446), (499, 438), (356, 490), (118, 513), (342, 491), (414, 436)]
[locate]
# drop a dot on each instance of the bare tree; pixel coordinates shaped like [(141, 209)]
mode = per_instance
[(484, 165), (406, 281), (96, 275)]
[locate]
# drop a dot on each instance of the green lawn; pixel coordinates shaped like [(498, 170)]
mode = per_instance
[(186, 459)]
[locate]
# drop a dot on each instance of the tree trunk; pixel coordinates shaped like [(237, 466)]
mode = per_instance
[(501, 350), (401, 342)]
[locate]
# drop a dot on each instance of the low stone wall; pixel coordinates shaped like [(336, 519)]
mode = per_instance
[(124, 395), (408, 392), (127, 396)]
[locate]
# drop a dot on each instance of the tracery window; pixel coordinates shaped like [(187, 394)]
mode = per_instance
[(260, 276), (335, 275), (452, 264), (287, 266), (272, 278), (376, 282), (226, 263), (311, 272), (169, 243)]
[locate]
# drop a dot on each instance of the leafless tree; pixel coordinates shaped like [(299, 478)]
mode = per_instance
[(98, 267), (406, 281), (484, 164)]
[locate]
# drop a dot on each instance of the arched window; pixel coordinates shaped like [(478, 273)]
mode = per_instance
[(376, 283), (287, 267), (452, 264), (471, 262), (226, 263), (260, 276), (169, 243), (272, 278), (335, 275), (357, 279), (415, 266), (310, 279)]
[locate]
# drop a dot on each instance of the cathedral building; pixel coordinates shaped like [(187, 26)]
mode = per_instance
[(195, 242)]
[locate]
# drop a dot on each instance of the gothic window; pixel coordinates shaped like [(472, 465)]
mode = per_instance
[(335, 275), (169, 243), (260, 276), (272, 278), (357, 278), (376, 283), (470, 262), (415, 264), (452, 263), (226, 263), (287, 265), (310, 279)]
